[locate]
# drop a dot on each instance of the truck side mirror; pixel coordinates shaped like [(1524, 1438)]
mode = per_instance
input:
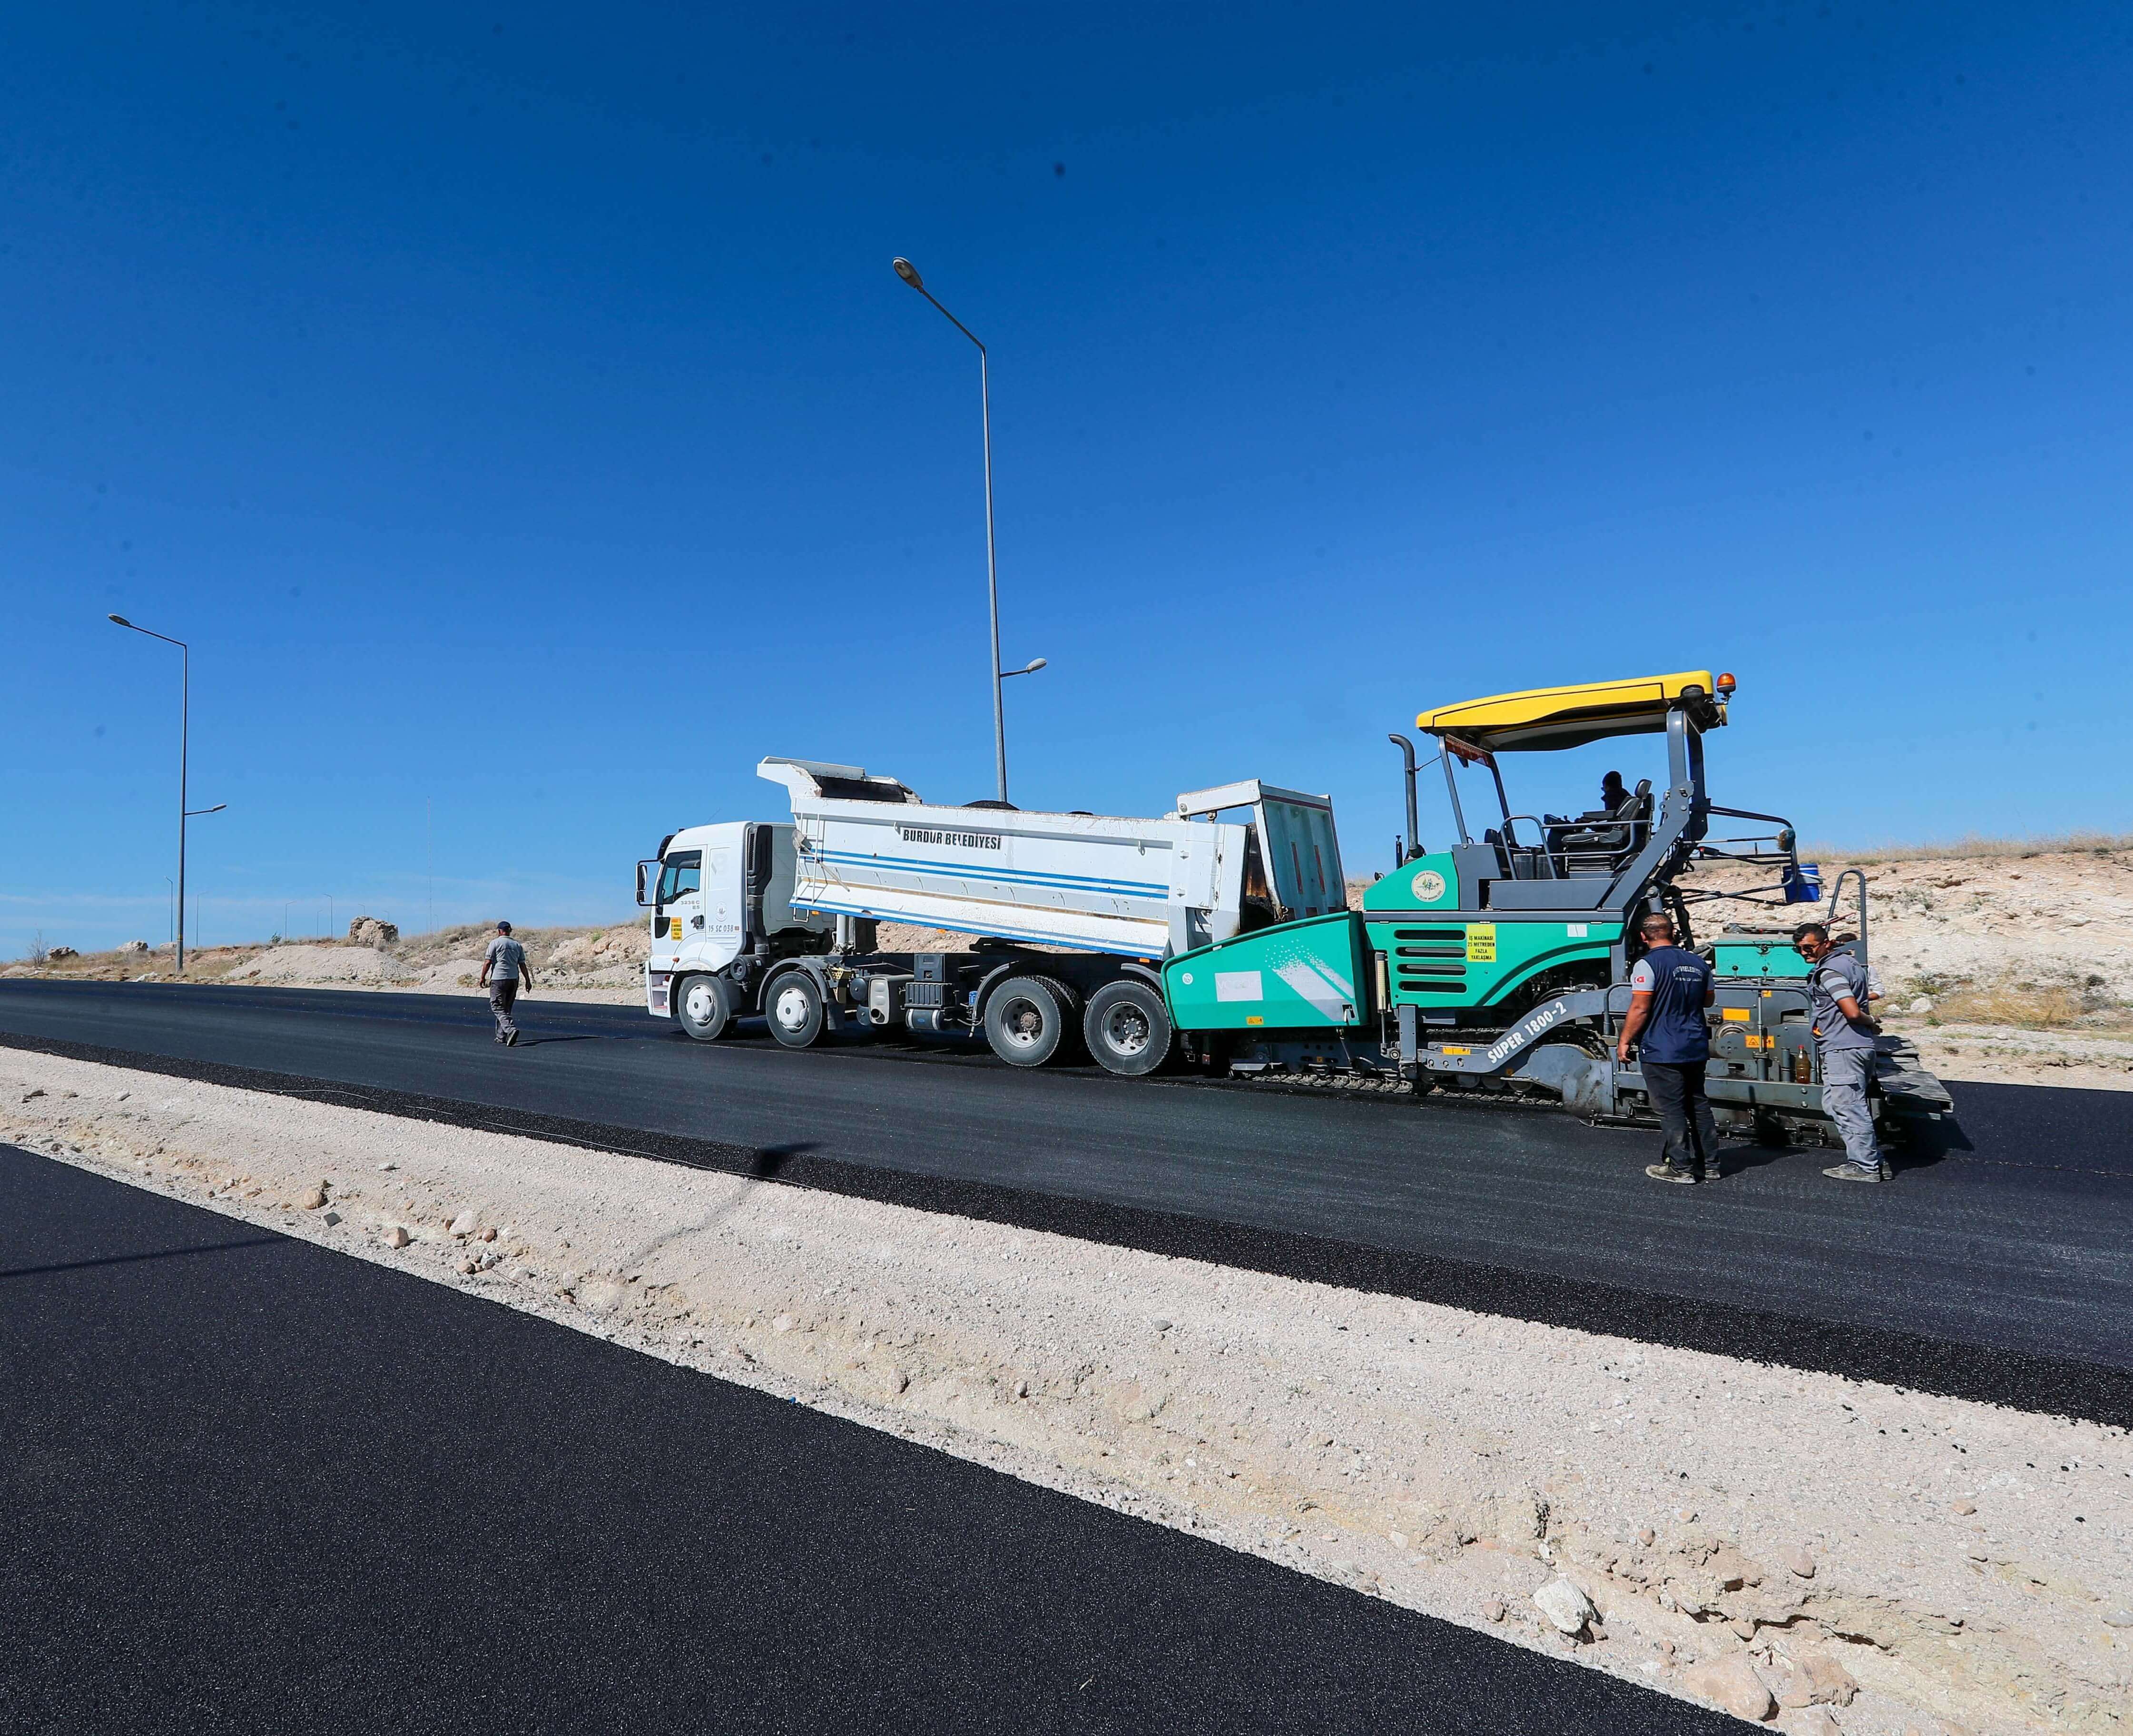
[(648, 882)]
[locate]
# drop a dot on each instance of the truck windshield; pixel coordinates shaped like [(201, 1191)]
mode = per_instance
[(679, 875)]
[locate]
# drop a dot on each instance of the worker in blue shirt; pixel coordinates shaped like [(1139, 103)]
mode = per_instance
[(1669, 988)]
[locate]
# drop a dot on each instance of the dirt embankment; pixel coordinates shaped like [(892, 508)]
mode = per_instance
[(2000, 965), (581, 964)]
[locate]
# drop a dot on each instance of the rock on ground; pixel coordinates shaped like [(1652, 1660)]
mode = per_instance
[(1731, 1683), (1564, 1605)]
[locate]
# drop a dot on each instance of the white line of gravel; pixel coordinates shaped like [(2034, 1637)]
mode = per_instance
[(1825, 1553)]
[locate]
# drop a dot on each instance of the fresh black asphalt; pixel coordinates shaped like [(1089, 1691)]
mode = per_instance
[(1998, 1265), (252, 1484)]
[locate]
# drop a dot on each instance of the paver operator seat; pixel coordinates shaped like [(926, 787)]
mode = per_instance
[(1600, 843)]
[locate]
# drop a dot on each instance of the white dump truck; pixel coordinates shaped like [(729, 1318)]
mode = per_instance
[(1068, 916)]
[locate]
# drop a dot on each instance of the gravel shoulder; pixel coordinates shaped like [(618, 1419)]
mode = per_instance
[(2006, 1054), (1829, 1553)]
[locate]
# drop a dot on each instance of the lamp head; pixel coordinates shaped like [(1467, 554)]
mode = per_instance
[(1034, 665), (120, 618), (909, 272)]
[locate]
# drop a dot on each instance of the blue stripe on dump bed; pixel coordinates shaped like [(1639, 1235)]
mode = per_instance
[(1078, 941), (965, 871), (1019, 876)]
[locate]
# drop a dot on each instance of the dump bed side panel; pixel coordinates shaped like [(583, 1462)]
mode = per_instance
[(1084, 880)]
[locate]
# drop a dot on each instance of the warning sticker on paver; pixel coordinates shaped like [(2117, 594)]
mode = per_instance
[(1238, 986), (1481, 943)]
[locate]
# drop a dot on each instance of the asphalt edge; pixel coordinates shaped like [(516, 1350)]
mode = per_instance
[(2017, 1380)]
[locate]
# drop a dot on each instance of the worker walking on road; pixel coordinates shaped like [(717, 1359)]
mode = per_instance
[(503, 969), (1669, 988), (1838, 990)]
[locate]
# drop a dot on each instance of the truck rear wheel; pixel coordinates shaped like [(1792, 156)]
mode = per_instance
[(704, 1007), (794, 1009), (1028, 1020), (1128, 1027)]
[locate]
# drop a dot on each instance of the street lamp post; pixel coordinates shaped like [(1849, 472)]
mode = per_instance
[(184, 720), (909, 272)]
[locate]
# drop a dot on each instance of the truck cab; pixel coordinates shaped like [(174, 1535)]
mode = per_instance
[(720, 902)]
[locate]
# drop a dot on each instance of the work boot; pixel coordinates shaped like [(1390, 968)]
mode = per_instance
[(1673, 1172), (1849, 1171)]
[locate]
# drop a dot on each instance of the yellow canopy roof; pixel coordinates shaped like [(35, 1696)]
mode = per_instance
[(1558, 717)]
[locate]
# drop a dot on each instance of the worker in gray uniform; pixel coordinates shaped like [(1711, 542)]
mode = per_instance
[(502, 968), (1838, 990)]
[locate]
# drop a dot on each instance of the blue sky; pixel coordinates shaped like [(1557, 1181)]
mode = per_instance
[(516, 411)]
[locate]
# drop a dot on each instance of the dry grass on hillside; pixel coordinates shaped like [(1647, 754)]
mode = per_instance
[(2072, 843), (2053, 1009)]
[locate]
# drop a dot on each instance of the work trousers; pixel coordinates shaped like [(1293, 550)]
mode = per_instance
[(1688, 1133), (1845, 1072), (501, 995)]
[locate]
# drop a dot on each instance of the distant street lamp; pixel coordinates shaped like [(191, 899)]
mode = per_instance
[(909, 272), (184, 813)]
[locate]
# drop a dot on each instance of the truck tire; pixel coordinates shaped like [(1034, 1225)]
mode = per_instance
[(793, 1005), (704, 1007), (1128, 1027), (1028, 1020)]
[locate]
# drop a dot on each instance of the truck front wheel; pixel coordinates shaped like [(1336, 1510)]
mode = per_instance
[(1027, 1020), (704, 1007), (794, 1008), (1128, 1027)]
